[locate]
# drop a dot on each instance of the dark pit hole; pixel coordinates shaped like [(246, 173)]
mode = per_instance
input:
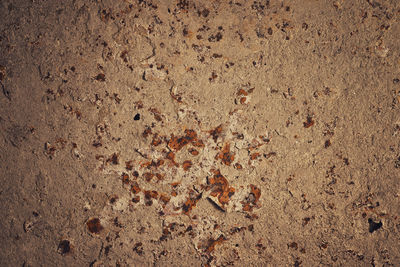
[(101, 77), (373, 226), (107, 249), (327, 143), (64, 247), (137, 117)]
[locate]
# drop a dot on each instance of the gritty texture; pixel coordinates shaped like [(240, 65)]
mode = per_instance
[(200, 133)]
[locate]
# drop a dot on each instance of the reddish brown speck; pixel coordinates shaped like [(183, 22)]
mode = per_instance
[(159, 176), (193, 151), (256, 192), (148, 176), (164, 198), (216, 132), (156, 140), (242, 92), (150, 194), (113, 159), (146, 132), (94, 225), (225, 155), (187, 164), (156, 114), (212, 243), (198, 143), (238, 166), (252, 199), (136, 199), (171, 157), (254, 156), (309, 122), (128, 165), (135, 188), (125, 178)]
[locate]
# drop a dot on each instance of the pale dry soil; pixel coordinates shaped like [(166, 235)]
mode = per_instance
[(200, 133)]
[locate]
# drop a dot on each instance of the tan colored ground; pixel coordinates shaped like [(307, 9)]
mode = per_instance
[(200, 133)]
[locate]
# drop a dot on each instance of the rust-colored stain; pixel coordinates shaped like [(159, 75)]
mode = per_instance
[(94, 225), (254, 155), (129, 165), (156, 140), (187, 164), (238, 166), (193, 151), (225, 155), (220, 192), (146, 132), (171, 156), (190, 202), (210, 247), (150, 194), (216, 133), (148, 176), (175, 184), (136, 199), (164, 198), (309, 122), (152, 164), (125, 178), (159, 176), (252, 199), (256, 192), (198, 143), (135, 188), (242, 92), (177, 143), (156, 114), (113, 159), (220, 188)]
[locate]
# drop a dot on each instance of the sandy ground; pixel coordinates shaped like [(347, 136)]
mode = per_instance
[(200, 133)]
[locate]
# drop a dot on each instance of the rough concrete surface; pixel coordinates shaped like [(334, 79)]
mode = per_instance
[(200, 133)]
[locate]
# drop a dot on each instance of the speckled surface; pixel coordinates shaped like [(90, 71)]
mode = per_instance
[(200, 133)]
